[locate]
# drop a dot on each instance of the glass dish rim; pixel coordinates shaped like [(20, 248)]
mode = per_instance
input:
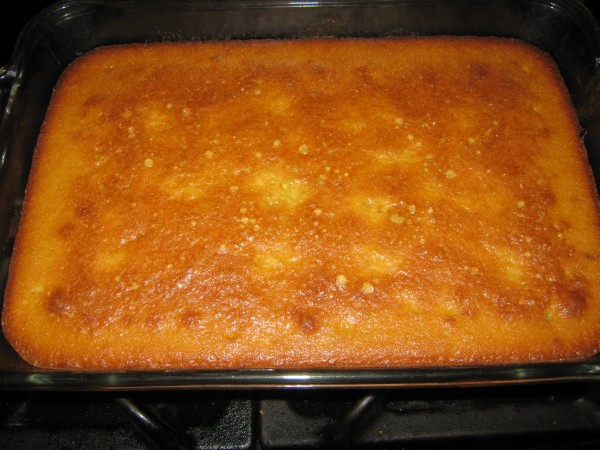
[(34, 378)]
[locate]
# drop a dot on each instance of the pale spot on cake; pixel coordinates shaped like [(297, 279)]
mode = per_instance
[(109, 260), (154, 119), (133, 286), (403, 156), (341, 280), (182, 187), (367, 288), (373, 261), (451, 174), (279, 102), (397, 219), (273, 258), (345, 327), (513, 272), (372, 209), (276, 187)]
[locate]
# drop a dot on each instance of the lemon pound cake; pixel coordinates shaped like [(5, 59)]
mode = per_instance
[(305, 204)]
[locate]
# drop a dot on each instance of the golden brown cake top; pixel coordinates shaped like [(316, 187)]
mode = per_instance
[(309, 203)]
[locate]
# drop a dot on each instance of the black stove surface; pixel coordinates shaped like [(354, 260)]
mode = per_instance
[(548, 416)]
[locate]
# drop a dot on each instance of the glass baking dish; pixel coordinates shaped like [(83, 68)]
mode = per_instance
[(563, 28)]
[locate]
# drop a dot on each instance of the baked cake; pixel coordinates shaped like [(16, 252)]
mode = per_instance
[(316, 203)]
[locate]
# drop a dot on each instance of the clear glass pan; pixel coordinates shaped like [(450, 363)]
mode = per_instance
[(62, 32)]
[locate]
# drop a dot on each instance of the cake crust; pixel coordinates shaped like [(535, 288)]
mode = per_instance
[(306, 204)]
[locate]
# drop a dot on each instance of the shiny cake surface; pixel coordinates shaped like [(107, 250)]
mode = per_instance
[(310, 203)]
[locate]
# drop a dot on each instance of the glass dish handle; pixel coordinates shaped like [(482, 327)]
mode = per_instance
[(590, 103), (6, 83), (7, 86)]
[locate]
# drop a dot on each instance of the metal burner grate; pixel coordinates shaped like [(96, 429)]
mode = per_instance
[(141, 420), (549, 416), (545, 416)]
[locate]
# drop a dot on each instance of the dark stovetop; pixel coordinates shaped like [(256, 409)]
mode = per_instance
[(528, 417)]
